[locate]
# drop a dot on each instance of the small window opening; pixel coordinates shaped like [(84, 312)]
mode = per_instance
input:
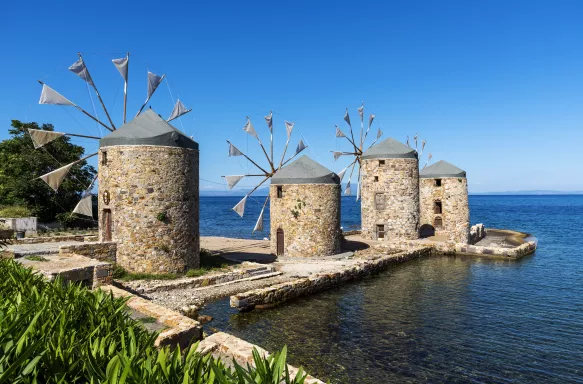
[(438, 182), (376, 179), (104, 158), (437, 207), (380, 231), (438, 223), (279, 192), (381, 162), (317, 210)]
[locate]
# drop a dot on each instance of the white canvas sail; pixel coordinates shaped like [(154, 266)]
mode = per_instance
[(301, 146), (84, 206), (337, 155), (339, 133), (233, 151), (370, 120), (289, 127), (153, 82), (347, 118), (249, 129), (80, 70), (361, 113), (179, 110), (55, 178), (341, 173), (240, 207), (380, 133), (50, 96), (233, 180), (41, 137), (347, 190), (122, 67), (269, 121), (259, 223)]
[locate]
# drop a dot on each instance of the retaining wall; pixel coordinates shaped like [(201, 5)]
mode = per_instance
[(279, 293), (105, 251), (54, 239)]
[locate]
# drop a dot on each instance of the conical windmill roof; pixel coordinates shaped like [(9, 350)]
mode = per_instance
[(305, 171), (441, 169), (148, 129), (390, 149)]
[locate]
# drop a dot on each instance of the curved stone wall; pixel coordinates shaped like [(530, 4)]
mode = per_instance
[(153, 196), (455, 212), (390, 198), (309, 215)]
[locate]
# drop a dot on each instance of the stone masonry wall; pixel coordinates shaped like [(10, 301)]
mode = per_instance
[(398, 185), (105, 251), (316, 229), (153, 196), (453, 195)]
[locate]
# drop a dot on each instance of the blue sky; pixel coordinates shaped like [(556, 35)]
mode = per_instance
[(495, 87)]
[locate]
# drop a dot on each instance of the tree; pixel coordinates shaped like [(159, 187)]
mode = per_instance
[(21, 165)]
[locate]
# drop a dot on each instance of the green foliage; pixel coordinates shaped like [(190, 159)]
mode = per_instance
[(297, 209), (51, 332), (15, 211), (21, 165), (161, 216)]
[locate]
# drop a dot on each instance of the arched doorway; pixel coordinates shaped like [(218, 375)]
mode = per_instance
[(280, 242), (426, 230)]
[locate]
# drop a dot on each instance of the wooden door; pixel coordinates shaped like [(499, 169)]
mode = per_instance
[(280, 246), (106, 225)]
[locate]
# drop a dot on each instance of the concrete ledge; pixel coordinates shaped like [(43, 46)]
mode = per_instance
[(247, 270), (279, 293), (229, 348), (181, 330)]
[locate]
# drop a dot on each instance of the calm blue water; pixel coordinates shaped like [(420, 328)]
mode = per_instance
[(442, 319)]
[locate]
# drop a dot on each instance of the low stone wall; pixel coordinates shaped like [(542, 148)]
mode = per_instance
[(451, 248), (182, 330), (279, 293), (477, 233), (229, 348), (105, 251), (71, 268), (143, 286), (27, 224), (55, 239)]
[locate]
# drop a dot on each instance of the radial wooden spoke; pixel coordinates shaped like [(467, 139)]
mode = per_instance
[(291, 158), (254, 163)]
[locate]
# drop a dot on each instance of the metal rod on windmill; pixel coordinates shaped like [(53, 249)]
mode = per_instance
[(80, 69), (50, 96)]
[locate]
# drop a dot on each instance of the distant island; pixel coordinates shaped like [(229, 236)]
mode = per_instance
[(265, 191)]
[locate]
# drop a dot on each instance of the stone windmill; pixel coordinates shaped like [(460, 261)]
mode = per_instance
[(148, 181), (265, 173)]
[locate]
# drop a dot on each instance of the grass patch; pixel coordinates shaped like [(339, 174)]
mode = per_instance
[(15, 211), (36, 258)]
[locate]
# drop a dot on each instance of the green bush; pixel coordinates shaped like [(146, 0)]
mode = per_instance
[(15, 211), (51, 332)]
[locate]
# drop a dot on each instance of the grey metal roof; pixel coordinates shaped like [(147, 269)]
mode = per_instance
[(441, 169), (148, 129), (390, 149), (305, 171)]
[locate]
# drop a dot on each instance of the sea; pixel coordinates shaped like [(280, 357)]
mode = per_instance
[(435, 320)]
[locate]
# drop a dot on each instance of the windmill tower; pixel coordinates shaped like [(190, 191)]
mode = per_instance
[(305, 210), (148, 180), (390, 192), (444, 202), (149, 196)]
